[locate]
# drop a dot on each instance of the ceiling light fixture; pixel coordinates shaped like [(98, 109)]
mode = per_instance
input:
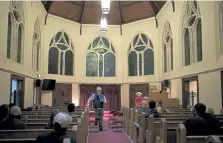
[(105, 6), (103, 23)]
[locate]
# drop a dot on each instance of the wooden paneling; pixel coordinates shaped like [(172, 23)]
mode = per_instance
[(133, 88), (112, 93), (62, 94)]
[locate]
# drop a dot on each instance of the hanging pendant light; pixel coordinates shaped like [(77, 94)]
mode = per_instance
[(103, 23), (105, 6)]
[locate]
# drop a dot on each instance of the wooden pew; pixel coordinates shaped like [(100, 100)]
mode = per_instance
[(43, 120), (44, 113), (182, 138), (37, 116), (29, 135)]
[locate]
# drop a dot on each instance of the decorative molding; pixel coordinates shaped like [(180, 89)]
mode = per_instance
[(15, 73)]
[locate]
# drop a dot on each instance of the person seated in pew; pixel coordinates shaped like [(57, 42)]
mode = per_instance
[(160, 108), (202, 123), (50, 124), (14, 121), (59, 135), (145, 107), (152, 110), (71, 109), (4, 110)]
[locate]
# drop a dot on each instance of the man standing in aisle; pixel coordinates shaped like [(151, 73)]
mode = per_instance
[(98, 103)]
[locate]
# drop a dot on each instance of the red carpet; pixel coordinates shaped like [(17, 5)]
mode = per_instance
[(107, 136)]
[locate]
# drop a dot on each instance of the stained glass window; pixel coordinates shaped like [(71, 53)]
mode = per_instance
[(167, 48), (9, 38), (19, 50), (141, 56), (15, 35), (192, 34), (100, 59), (199, 41), (53, 61), (187, 47), (64, 63), (36, 47)]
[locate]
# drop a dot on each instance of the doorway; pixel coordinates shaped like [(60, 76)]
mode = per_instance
[(222, 88), (133, 88), (62, 94), (17, 91), (190, 91), (112, 93)]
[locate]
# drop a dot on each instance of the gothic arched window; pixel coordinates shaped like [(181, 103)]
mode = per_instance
[(36, 47), (192, 34), (100, 59), (15, 33), (61, 55), (167, 48), (141, 56)]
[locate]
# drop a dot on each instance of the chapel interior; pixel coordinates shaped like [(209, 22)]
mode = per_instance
[(167, 50)]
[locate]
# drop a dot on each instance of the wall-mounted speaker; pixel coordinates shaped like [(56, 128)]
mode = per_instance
[(166, 83), (37, 83)]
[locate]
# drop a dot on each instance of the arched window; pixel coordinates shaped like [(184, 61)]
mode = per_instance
[(100, 59), (167, 48), (61, 55), (15, 32), (36, 47), (192, 34), (141, 56)]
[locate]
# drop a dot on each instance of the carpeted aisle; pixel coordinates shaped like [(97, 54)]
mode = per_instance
[(107, 136)]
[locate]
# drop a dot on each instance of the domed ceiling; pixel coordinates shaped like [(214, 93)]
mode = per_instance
[(89, 12)]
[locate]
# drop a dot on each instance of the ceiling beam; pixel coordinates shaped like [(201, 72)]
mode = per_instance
[(155, 8), (47, 6), (121, 16), (82, 16), (173, 5), (129, 4)]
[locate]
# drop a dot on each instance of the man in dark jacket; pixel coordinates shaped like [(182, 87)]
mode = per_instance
[(202, 123), (59, 135), (14, 121), (152, 110), (98, 104)]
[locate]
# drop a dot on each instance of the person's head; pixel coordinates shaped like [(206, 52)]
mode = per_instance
[(160, 103), (152, 104), (138, 94), (99, 90), (71, 107), (61, 122), (11, 105), (4, 110), (199, 108), (15, 111), (144, 103)]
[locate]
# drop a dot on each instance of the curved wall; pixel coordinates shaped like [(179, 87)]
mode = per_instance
[(207, 70)]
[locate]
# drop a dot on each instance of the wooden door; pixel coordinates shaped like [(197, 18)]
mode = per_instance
[(62, 94), (186, 94), (133, 88), (222, 88)]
